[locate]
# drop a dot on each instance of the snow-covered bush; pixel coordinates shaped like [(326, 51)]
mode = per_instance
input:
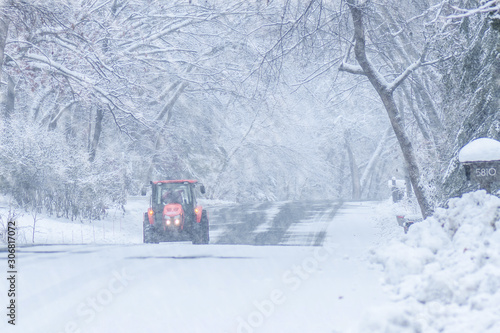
[(45, 170), (445, 273)]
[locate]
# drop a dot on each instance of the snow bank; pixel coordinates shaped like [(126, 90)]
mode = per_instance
[(483, 149), (119, 226), (444, 275)]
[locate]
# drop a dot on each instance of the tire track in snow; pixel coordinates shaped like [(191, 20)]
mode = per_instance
[(299, 223), (312, 231)]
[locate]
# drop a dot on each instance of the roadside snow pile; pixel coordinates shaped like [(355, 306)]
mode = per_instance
[(445, 273)]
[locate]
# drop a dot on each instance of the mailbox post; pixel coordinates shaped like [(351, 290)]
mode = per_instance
[(481, 161), (397, 187)]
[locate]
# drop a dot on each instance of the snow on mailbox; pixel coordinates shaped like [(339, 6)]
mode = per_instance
[(481, 160)]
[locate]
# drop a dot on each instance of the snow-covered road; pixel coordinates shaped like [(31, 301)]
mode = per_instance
[(220, 287), (272, 223)]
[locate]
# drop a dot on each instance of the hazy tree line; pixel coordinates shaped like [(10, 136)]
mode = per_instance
[(260, 100)]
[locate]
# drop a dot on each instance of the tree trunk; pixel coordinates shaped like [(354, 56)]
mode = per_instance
[(97, 133), (9, 98), (408, 152), (341, 168), (409, 189), (167, 109), (37, 103), (416, 115), (386, 95), (370, 167), (55, 118), (4, 29), (356, 185)]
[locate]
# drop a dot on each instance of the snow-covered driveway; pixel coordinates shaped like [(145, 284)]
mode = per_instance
[(179, 287)]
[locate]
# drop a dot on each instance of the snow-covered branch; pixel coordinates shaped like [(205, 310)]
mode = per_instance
[(490, 6), (353, 69), (397, 81), (79, 77)]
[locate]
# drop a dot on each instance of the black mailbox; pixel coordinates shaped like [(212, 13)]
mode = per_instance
[(481, 161)]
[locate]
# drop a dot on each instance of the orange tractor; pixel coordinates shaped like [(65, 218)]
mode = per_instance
[(174, 213)]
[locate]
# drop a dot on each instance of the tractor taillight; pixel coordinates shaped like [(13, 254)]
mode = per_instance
[(150, 212), (196, 210)]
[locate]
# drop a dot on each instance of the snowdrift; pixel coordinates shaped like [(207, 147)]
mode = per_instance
[(445, 273)]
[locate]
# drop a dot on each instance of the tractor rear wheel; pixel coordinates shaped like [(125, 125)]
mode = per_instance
[(149, 235), (201, 233), (148, 232)]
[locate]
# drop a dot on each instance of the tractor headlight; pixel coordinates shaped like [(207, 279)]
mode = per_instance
[(176, 220)]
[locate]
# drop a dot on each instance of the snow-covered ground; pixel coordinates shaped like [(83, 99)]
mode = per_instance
[(118, 226), (178, 287), (368, 276)]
